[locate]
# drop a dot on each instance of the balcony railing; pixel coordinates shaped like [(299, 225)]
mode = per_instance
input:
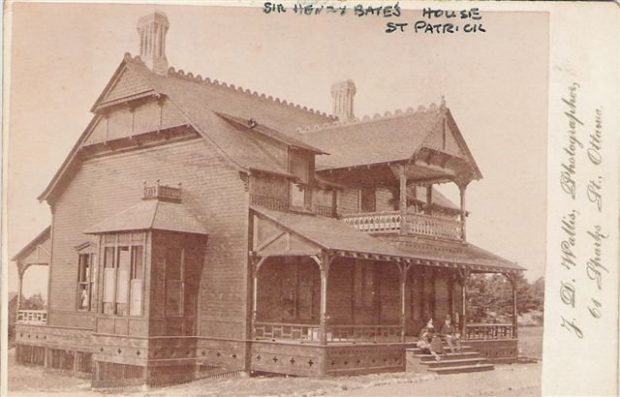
[(269, 202), (309, 333), (420, 224), (432, 226), (36, 317), (162, 192), (480, 331), (375, 222)]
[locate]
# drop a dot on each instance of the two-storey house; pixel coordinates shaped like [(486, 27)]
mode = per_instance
[(198, 226)]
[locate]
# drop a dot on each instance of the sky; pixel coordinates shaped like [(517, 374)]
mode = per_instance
[(495, 83)]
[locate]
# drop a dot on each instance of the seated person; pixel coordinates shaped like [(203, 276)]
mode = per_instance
[(452, 337), (426, 338)]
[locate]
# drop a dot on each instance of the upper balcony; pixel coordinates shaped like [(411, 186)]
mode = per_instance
[(391, 222)]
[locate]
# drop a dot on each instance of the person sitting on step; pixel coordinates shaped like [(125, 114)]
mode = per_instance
[(452, 337), (426, 338)]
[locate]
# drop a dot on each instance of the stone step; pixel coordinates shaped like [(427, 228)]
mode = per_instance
[(456, 362), (462, 369)]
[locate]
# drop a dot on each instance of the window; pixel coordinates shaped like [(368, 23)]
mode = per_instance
[(299, 191), (85, 282), (123, 274)]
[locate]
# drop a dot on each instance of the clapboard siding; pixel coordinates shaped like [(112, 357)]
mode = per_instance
[(106, 185)]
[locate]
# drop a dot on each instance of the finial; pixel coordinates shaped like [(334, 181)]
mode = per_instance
[(443, 102)]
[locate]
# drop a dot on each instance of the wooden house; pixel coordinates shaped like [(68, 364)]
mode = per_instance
[(198, 226)]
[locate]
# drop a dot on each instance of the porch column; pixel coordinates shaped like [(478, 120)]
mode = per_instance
[(462, 189), (403, 269), (324, 262), (513, 283), (464, 273), (402, 176), (429, 198), (256, 263), (20, 281)]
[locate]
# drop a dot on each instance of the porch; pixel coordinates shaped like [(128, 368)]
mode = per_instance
[(328, 296)]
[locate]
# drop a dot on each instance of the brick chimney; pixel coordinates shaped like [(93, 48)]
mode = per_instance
[(152, 29), (343, 93)]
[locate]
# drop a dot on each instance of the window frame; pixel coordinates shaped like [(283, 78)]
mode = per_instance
[(114, 242), (301, 182), (87, 258)]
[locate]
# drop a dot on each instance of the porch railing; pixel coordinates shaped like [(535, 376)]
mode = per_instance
[(374, 222), (309, 333), (37, 317), (392, 222), (480, 331), (270, 202), (364, 333), (286, 331)]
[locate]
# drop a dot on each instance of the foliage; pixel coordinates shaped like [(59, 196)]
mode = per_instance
[(34, 302), (489, 297)]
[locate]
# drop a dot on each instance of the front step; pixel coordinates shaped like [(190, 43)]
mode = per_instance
[(462, 369), (448, 356), (455, 362), (468, 360)]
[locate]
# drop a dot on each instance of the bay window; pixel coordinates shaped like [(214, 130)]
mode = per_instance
[(123, 274)]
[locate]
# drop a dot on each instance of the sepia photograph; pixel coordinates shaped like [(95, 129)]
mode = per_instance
[(283, 199)]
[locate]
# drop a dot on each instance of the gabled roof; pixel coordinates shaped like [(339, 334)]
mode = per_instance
[(200, 100), (293, 140), (195, 94), (151, 215), (32, 245), (391, 138)]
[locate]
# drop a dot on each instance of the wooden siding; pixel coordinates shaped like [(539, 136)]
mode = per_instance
[(106, 185), (385, 199), (348, 201), (125, 121)]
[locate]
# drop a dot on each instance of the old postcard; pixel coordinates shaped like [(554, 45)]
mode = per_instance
[(341, 198)]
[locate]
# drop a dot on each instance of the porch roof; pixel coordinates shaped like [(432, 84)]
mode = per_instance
[(151, 215), (329, 233), (334, 235)]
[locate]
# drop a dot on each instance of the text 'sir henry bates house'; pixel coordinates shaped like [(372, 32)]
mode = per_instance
[(202, 228)]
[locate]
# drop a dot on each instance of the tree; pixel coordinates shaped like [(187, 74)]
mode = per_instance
[(34, 302), (490, 297)]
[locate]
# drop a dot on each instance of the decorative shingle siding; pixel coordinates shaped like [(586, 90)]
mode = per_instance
[(129, 83), (106, 185)]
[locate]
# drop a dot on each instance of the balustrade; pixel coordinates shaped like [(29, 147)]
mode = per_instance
[(421, 224), (35, 317), (364, 333), (374, 222), (294, 332), (309, 333), (480, 331), (432, 226), (269, 202)]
